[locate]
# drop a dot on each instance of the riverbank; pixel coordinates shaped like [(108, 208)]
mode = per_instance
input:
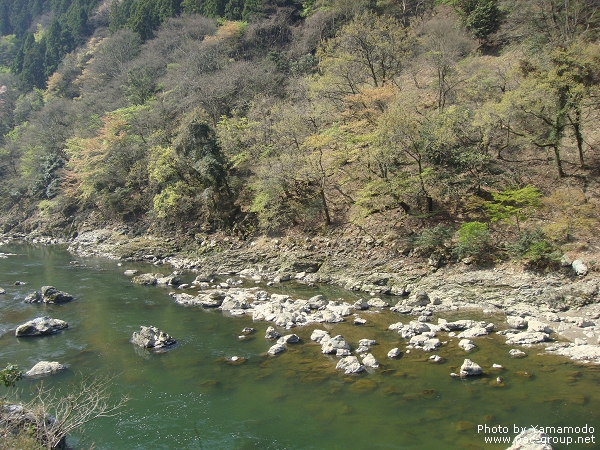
[(561, 302)]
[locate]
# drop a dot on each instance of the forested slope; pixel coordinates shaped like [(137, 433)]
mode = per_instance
[(466, 127)]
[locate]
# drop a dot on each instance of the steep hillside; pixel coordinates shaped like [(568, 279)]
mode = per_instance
[(464, 129)]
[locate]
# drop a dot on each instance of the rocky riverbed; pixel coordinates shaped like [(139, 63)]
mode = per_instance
[(559, 310)]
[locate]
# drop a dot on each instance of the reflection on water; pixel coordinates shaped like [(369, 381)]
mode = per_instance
[(192, 398)]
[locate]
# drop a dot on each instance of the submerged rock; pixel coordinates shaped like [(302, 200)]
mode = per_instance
[(45, 368), (41, 326), (152, 338)]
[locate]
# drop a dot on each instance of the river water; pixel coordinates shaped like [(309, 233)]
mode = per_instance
[(191, 398)]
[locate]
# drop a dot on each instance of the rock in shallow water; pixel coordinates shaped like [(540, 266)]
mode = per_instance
[(394, 353), (350, 364), (469, 368), (152, 338), (45, 368), (275, 349), (40, 326), (48, 294), (331, 345)]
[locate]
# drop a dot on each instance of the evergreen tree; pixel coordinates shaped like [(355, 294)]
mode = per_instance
[(213, 8), (234, 9), (5, 27), (144, 19), (77, 21), (32, 74), (53, 48), (253, 9), (193, 6), (119, 14)]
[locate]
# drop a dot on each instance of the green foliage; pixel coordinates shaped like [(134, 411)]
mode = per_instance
[(474, 240), (571, 212), (533, 246), (10, 375), (513, 204), (436, 238)]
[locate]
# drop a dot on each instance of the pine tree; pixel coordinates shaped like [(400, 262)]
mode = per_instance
[(253, 9)]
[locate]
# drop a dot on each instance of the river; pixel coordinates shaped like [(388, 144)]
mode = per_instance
[(190, 398)]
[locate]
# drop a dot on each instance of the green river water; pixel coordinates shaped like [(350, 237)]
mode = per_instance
[(189, 398)]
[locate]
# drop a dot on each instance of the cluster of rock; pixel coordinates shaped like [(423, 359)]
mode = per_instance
[(423, 335), (526, 332), (48, 294), (338, 346), (279, 309), (157, 279), (152, 338)]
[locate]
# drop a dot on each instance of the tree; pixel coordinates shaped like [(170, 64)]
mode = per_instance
[(445, 45), (571, 213), (480, 17), (10, 375), (369, 51), (474, 240), (191, 175), (88, 399), (515, 204)]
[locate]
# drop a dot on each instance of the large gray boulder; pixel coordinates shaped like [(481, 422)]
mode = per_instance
[(44, 368), (152, 338), (40, 326), (527, 338), (350, 364), (469, 368), (48, 294), (332, 345), (579, 267)]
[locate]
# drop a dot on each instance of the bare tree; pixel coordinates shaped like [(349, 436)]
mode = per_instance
[(58, 414)]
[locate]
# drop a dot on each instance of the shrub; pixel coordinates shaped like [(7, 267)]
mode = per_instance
[(474, 241), (432, 239)]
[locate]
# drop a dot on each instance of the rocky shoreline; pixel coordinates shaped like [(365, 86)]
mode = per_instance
[(560, 306)]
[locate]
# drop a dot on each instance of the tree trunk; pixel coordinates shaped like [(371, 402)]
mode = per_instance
[(325, 208)]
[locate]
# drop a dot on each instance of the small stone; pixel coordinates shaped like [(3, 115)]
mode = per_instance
[(497, 366), (435, 358), (271, 333), (275, 349), (516, 353), (394, 353), (359, 321), (467, 345)]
